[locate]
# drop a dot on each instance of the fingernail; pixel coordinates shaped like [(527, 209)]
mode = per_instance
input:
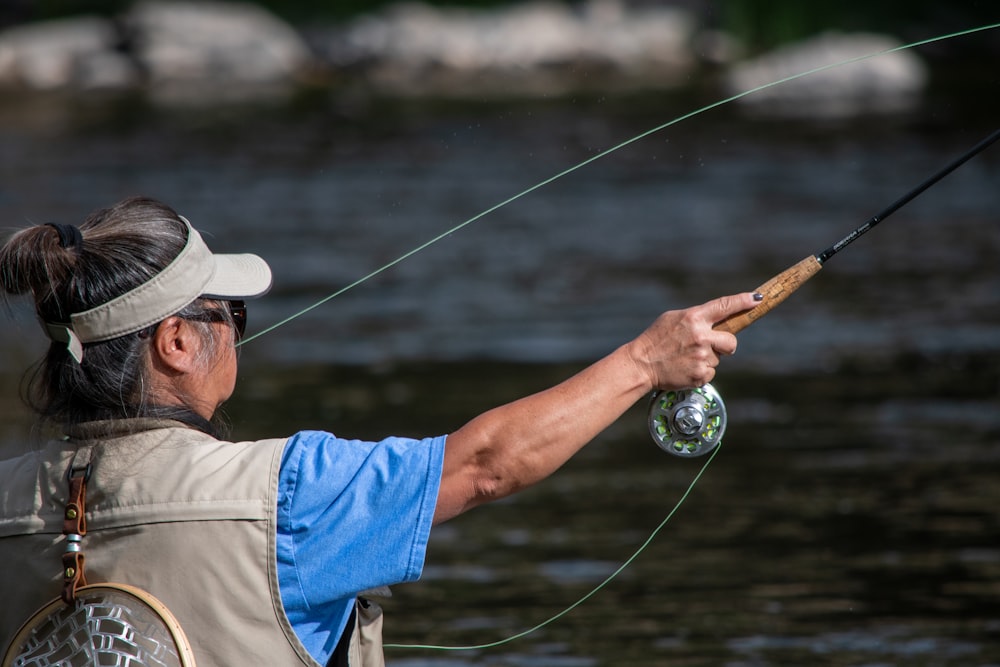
[(757, 296)]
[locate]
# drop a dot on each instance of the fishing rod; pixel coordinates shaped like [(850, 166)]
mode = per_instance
[(691, 422)]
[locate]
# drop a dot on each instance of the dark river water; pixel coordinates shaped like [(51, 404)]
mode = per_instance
[(852, 515)]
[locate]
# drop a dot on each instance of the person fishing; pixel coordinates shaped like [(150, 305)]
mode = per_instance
[(263, 550)]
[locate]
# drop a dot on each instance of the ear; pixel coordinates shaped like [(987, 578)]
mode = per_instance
[(175, 346)]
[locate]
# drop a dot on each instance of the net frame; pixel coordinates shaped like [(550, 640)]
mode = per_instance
[(109, 624)]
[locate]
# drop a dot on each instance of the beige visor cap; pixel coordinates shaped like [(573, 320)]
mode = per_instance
[(194, 273)]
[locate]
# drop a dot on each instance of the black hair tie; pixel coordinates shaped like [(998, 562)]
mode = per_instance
[(69, 235)]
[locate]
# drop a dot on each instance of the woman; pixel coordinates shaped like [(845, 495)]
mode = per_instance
[(260, 549)]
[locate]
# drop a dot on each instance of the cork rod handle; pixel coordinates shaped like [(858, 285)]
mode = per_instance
[(775, 290)]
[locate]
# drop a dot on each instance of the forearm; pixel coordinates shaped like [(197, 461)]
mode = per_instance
[(520, 443)]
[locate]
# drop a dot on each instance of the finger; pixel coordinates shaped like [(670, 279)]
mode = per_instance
[(727, 306), (704, 378), (724, 343)]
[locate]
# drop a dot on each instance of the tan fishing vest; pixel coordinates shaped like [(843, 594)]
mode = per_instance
[(174, 512)]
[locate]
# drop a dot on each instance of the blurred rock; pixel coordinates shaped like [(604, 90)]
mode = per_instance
[(80, 53), (886, 83), (215, 49), (181, 51), (545, 46)]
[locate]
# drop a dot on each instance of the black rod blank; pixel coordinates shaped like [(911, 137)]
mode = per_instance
[(909, 196)]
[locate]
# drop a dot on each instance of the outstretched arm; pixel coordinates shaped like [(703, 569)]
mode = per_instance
[(515, 445)]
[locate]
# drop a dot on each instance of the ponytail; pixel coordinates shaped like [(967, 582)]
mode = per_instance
[(67, 269)]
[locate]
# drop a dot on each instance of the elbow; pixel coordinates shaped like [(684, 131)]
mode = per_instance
[(494, 476), (478, 477), (485, 462)]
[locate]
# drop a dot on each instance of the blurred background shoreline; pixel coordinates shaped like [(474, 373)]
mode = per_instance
[(201, 54)]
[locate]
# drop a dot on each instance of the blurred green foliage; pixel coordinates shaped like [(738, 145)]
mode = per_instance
[(767, 23)]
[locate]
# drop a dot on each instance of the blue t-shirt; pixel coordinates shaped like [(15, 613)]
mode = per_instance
[(352, 515)]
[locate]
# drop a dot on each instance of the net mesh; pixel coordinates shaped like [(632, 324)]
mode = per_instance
[(107, 628)]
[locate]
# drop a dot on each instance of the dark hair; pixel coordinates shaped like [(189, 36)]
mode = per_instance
[(121, 248)]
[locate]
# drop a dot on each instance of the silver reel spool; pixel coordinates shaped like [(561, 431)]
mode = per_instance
[(687, 422)]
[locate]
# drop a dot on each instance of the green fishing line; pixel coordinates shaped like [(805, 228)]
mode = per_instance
[(605, 153), (589, 595)]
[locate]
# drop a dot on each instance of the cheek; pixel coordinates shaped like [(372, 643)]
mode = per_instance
[(225, 366), (231, 367), (224, 383)]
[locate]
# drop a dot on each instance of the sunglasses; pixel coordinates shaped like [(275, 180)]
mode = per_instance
[(238, 311), (237, 314)]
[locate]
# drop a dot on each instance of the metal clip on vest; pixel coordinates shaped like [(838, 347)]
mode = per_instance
[(74, 528)]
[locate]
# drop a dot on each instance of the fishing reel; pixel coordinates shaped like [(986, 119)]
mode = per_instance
[(687, 422)]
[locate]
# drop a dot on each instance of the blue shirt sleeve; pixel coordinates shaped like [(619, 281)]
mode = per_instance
[(352, 515)]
